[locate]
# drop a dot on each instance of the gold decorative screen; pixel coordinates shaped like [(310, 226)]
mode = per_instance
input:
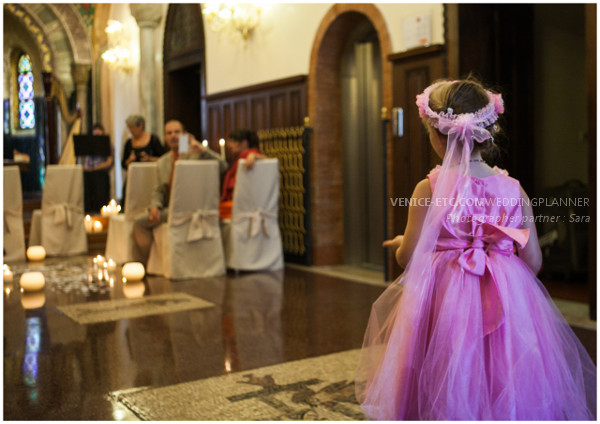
[(290, 145)]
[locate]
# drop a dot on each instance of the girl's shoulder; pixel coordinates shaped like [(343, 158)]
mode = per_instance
[(504, 173), (499, 171), (434, 173)]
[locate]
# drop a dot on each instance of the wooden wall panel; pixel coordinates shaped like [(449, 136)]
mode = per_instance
[(278, 109), (296, 112), (258, 109), (240, 117), (275, 104), (214, 122), (227, 121)]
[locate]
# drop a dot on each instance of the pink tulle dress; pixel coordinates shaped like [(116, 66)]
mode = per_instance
[(484, 341)]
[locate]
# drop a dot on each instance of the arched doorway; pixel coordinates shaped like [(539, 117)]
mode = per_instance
[(184, 70), (339, 28)]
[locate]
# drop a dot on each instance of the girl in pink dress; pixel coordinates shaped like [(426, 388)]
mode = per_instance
[(468, 332)]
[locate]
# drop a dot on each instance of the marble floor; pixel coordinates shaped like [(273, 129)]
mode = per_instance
[(65, 365)]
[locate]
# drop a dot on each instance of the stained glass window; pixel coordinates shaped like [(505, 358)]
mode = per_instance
[(26, 106)]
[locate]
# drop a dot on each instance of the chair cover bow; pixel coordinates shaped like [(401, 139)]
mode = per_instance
[(256, 221), (203, 223), (474, 259), (13, 213), (63, 213)]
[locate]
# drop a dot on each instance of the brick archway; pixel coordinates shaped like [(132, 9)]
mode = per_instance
[(324, 109)]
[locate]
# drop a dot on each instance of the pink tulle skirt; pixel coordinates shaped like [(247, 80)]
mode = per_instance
[(463, 347)]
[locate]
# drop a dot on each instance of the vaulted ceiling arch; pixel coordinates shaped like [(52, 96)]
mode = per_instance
[(62, 36)]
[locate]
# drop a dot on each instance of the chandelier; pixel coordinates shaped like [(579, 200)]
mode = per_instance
[(225, 17), (117, 55)]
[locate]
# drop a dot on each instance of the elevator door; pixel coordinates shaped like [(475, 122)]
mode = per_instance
[(362, 155)]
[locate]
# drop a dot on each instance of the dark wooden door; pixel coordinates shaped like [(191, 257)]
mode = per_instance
[(183, 102), (590, 50), (412, 154), (184, 70)]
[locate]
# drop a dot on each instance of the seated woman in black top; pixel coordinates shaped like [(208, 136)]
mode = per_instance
[(142, 146)]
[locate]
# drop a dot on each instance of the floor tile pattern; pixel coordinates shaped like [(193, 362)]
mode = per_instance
[(114, 310), (314, 389)]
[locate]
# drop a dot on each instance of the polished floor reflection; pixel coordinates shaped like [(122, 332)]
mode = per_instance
[(58, 369)]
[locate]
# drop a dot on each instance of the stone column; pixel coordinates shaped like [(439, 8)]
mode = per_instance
[(148, 17), (81, 77)]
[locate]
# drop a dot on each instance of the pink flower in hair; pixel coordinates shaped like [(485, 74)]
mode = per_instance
[(498, 103), (422, 104)]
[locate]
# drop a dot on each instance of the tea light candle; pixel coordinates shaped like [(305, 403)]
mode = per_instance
[(8, 274), (205, 143), (134, 289), (89, 224), (222, 144), (33, 300), (97, 226), (32, 281), (36, 253), (110, 265), (111, 209), (133, 271)]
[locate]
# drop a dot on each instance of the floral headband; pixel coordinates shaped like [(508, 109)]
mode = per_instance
[(467, 126)]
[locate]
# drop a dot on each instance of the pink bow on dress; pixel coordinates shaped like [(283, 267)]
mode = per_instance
[(474, 259)]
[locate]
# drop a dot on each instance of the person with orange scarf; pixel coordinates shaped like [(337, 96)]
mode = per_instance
[(243, 144)]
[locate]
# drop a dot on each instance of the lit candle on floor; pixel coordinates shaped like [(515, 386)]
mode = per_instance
[(97, 226), (36, 253), (133, 271), (89, 224), (222, 144), (32, 281), (8, 274), (110, 265), (111, 209)]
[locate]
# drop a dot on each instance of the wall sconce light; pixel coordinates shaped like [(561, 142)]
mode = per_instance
[(117, 55), (240, 17)]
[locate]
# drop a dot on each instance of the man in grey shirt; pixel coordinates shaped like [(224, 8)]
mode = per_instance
[(159, 205)]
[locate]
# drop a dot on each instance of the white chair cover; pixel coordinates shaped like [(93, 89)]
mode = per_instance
[(63, 229), (14, 232), (189, 244), (253, 239), (140, 183)]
